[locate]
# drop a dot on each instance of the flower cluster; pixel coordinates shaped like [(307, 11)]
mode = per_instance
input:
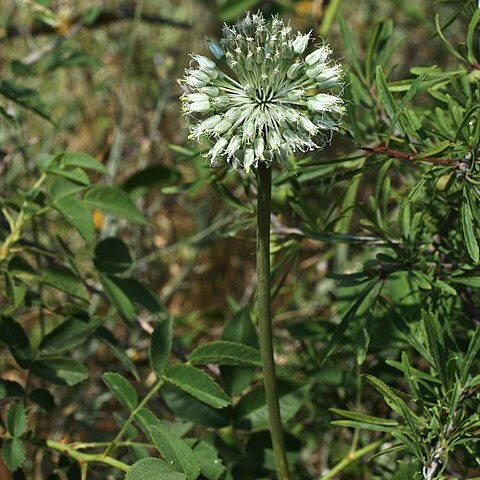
[(272, 102)]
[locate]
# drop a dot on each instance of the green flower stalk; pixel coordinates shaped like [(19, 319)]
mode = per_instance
[(268, 102)]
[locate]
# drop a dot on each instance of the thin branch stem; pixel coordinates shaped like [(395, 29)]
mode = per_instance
[(84, 458), (264, 318), (350, 458), (16, 226), (116, 441)]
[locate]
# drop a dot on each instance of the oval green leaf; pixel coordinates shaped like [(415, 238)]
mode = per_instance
[(160, 346), (123, 390), (225, 353), (198, 384), (115, 202), (153, 469)]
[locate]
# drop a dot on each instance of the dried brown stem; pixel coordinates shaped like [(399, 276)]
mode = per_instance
[(448, 162)]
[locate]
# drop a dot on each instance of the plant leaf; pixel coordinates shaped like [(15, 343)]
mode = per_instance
[(16, 340), (68, 334), (198, 384), (62, 371), (160, 346), (77, 214), (171, 447), (122, 389), (16, 419), (153, 469), (225, 353), (82, 160), (13, 453), (66, 281), (112, 256), (115, 202)]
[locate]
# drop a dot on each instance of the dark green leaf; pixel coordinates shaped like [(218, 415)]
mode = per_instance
[(367, 419), (9, 388), (43, 398), (114, 289), (62, 371), (153, 469), (68, 334), (472, 46), (407, 98), (66, 281), (26, 97), (160, 346), (184, 406), (435, 343), (115, 202), (154, 176), (385, 96), (211, 466), (16, 419), (82, 160), (122, 389), (172, 448), (142, 294), (19, 267), (16, 293), (13, 453), (198, 384), (77, 214), (471, 355), (112, 256), (225, 353), (76, 175), (107, 337), (16, 340), (61, 187), (468, 230)]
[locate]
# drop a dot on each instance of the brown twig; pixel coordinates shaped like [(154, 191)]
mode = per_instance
[(448, 162), (105, 17)]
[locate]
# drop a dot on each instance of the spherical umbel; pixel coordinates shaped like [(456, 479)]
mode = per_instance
[(269, 101)]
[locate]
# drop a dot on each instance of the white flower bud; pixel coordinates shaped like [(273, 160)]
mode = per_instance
[(210, 91), (307, 125), (217, 150), (294, 70), (198, 102), (319, 55), (324, 103), (216, 50), (222, 101), (222, 126), (259, 147), (204, 62), (300, 43), (249, 159), (329, 77)]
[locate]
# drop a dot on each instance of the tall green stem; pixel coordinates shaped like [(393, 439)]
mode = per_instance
[(264, 318)]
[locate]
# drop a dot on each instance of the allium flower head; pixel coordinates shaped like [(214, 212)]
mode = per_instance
[(269, 100)]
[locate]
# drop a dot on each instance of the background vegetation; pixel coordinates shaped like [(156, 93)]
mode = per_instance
[(113, 228)]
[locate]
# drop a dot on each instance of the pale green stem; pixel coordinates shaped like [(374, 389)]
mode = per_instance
[(115, 443), (351, 458), (84, 458), (17, 225), (264, 318)]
